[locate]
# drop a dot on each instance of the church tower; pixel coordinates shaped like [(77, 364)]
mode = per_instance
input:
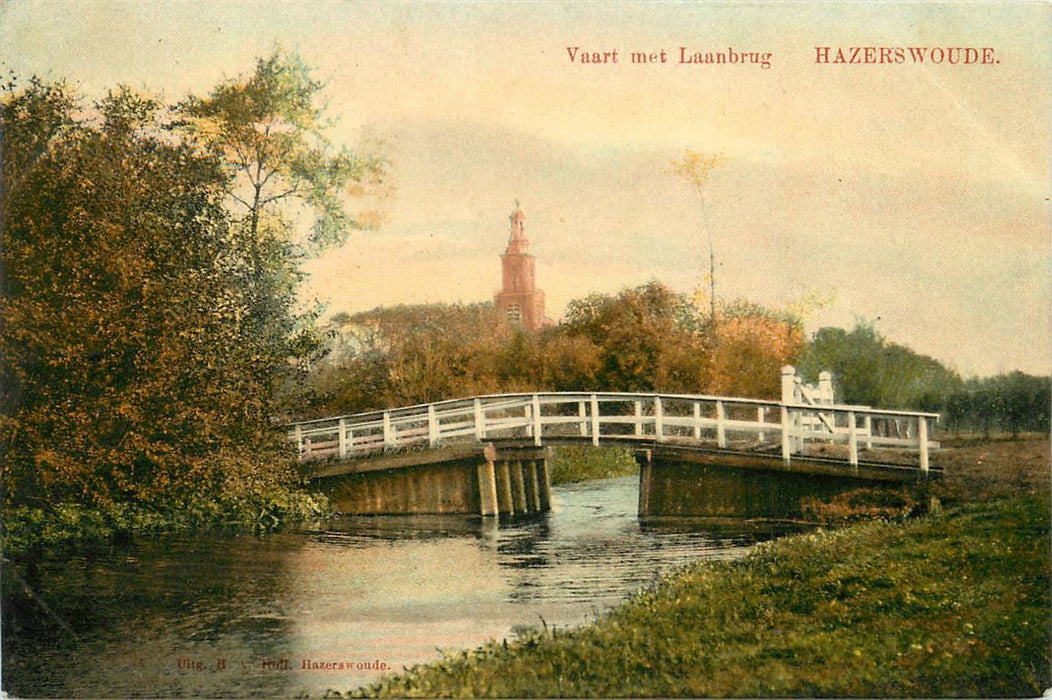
[(519, 302)]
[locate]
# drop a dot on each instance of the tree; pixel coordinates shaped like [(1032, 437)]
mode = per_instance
[(407, 354), (569, 362), (128, 314), (696, 168), (1011, 402), (753, 343), (29, 121), (647, 339), (269, 131), (869, 370), (852, 358)]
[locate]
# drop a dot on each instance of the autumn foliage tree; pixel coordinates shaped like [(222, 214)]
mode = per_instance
[(147, 322), (645, 338), (268, 130), (754, 343), (407, 354), (121, 319)]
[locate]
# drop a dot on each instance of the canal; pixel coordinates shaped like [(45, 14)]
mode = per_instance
[(332, 606)]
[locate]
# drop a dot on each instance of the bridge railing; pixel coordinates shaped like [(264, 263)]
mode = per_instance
[(618, 417)]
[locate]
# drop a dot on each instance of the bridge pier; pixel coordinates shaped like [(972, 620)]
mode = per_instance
[(487, 480), (487, 488), (518, 486), (544, 481), (533, 486), (505, 499)]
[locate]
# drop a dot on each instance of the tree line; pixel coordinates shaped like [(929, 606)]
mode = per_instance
[(871, 370), (647, 338)]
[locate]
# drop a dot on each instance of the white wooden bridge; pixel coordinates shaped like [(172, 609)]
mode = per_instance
[(787, 429)]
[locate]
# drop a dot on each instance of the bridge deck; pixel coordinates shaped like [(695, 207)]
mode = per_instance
[(768, 430), (738, 456)]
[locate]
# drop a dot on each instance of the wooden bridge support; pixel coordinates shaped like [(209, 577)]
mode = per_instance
[(486, 480), (684, 483)]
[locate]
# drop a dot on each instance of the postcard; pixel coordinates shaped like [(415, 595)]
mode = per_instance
[(514, 284)]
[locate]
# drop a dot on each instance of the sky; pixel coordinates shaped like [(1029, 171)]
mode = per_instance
[(913, 196)]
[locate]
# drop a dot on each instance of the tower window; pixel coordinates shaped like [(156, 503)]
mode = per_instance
[(514, 312)]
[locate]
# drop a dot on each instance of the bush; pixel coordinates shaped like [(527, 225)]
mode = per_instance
[(69, 526), (862, 504)]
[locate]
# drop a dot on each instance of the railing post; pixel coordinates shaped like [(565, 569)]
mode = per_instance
[(639, 418), (659, 420), (852, 439), (297, 435), (825, 388), (786, 445), (867, 426), (595, 420), (343, 437), (432, 425), (582, 413), (922, 442), (536, 420), (697, 421), (761, 414), (721, 429), (788, 384), (790, 396), (389, 438), (480, 426)]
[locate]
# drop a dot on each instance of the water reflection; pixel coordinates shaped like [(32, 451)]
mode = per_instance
[(331, 606)]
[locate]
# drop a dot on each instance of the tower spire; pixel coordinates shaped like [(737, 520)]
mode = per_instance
[(518, 240)]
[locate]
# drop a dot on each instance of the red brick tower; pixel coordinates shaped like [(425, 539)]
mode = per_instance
[(519, 302)]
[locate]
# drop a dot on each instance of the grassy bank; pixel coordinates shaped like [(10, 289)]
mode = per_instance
[(954, 603), (571, 463)]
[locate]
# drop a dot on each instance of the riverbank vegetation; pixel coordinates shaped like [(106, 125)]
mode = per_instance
[(573, 463), (68, 527), (951, 604)]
